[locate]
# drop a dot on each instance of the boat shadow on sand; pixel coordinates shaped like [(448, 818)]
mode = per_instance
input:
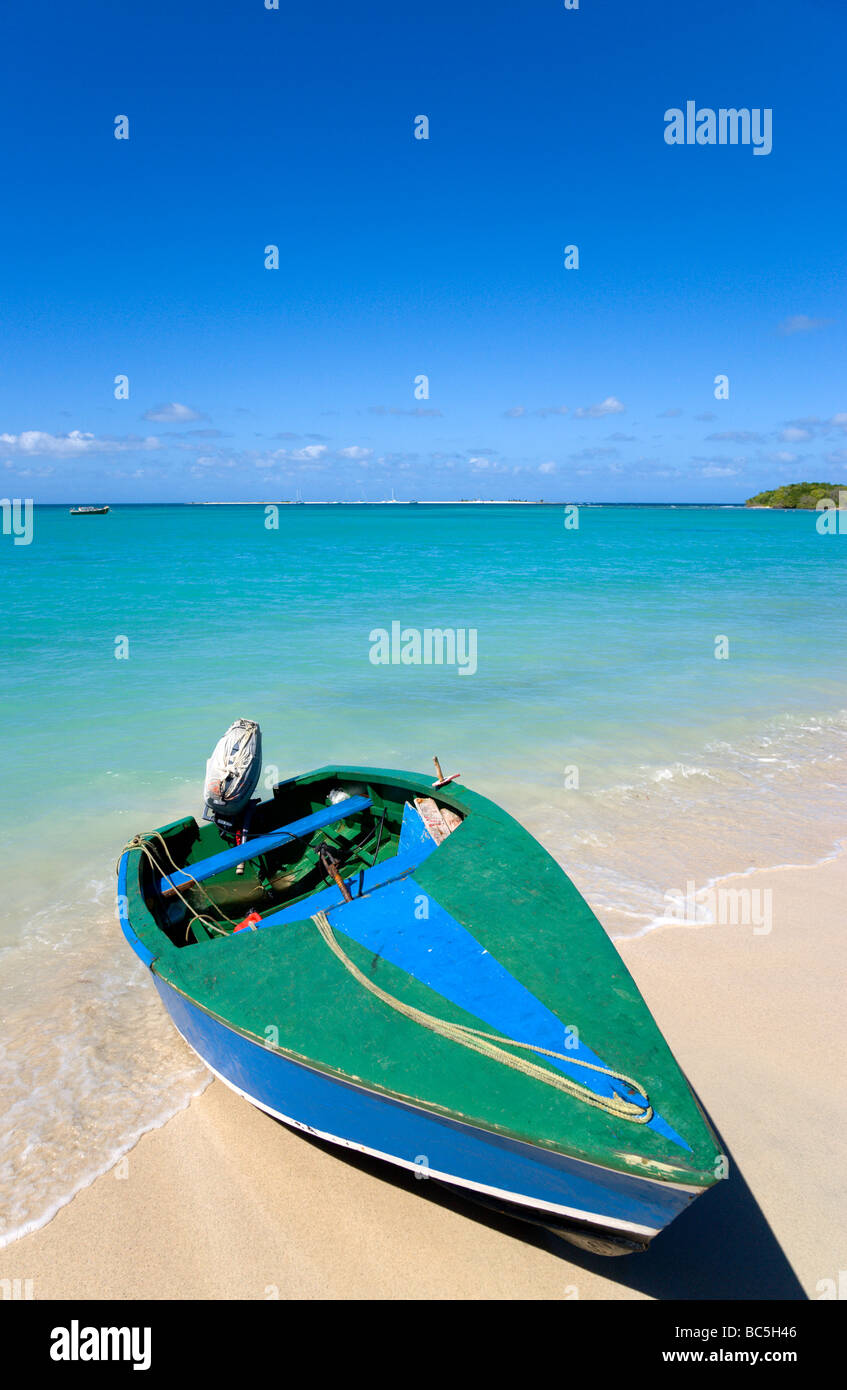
[(722, 1247)]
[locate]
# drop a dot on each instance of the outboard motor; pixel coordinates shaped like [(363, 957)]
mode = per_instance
[(232, 773)]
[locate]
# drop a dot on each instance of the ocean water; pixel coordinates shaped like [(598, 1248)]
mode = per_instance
[(598, 714)]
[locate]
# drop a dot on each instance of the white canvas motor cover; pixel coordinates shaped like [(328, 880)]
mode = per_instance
[(233, 769)]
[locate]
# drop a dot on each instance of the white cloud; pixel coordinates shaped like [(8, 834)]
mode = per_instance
[(548, 467), (39, 442), (801, 323), (29, 472), (172, 412), (713, 471), (793, 435), (354, 451), (308, 452), (599, 452), (736, 436), (610, 406)]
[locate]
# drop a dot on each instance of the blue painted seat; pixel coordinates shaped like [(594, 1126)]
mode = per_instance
[(253, 849), (415, 845)]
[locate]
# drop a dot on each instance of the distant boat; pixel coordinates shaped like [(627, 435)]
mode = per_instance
[(88, 511), (441, 997)]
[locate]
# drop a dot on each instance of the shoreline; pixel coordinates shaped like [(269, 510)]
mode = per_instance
[(730, 1003), (718, 882), (440, 502)]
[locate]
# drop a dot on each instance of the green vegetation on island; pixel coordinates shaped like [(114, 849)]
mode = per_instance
[(802, 496)]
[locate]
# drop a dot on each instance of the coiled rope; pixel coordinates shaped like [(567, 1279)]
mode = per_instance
[(492, 1045)]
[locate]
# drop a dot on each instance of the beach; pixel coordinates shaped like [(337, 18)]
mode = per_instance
[(223, 1202)]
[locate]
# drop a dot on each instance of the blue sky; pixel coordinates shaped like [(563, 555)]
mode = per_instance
[(402, 257)]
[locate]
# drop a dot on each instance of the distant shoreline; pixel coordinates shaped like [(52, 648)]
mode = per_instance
[(445, 502)]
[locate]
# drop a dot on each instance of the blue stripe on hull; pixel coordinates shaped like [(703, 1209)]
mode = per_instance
[(445, 956), (417, 1139)]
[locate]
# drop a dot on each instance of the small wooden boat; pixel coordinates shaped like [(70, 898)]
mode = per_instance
[(88, 511), (400, 968)]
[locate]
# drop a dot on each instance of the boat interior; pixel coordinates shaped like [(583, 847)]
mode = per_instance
[(312, 846)]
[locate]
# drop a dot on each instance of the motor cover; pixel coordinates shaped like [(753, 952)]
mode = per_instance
[(233, 769)]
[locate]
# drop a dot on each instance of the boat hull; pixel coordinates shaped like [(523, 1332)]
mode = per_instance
[(595, 1207)]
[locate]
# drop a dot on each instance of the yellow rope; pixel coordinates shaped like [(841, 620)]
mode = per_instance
[(487, 1044), (143, 843)]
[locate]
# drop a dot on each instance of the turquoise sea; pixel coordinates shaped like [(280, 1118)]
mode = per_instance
[(598, 714)]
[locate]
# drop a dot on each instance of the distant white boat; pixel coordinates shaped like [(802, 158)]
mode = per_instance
[(88, 511)]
